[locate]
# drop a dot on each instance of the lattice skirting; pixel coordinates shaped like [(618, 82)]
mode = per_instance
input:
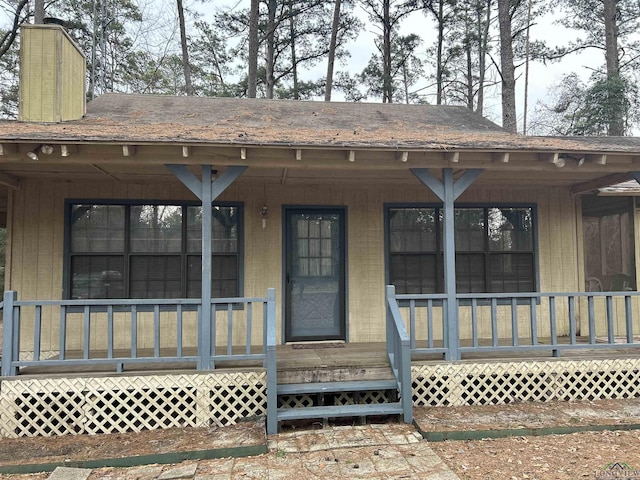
[(542, 381), (61, 406)]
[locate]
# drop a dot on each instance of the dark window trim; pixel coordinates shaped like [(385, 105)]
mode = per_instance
[(69, 202), (485, 205)]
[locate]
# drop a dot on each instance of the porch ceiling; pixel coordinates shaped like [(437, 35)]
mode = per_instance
[(146, 163)]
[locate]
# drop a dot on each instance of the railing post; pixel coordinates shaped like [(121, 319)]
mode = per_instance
[(271, 365), (390, 293), (10, 297)]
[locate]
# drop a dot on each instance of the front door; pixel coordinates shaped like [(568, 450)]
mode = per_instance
[(314, 274)]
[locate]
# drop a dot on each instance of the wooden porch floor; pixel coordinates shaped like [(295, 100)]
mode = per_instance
[(311, 362)]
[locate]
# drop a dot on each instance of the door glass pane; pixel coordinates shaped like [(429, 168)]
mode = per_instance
[(315, 275)]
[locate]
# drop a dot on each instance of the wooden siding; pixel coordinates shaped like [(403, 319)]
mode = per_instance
[(36, 240), (52, 75)]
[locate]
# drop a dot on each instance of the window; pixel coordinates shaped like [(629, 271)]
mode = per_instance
[(494, 249), (150, 250)]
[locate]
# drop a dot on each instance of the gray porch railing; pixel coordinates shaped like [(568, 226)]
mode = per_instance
[(398, 351), (517, 322), (159, 316)]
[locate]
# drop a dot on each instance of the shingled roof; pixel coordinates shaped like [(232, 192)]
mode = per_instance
[(155, 119)]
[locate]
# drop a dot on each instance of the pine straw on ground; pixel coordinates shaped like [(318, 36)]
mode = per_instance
[(561, 457)]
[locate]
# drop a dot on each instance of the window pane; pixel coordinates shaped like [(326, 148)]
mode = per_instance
[(510, 229), (511, 272), (224, 276), (156, 228), (224, 229), (413, 273), (97, 277), (155, 276), (469, 229), (470, 273), (412, 229), (97, 228)]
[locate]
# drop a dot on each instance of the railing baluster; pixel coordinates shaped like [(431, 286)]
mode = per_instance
[(494, 322), (249, 328), (572, 319), (87, 331), (229, 329), (628, 316), (37, 333), (591, 319), (62, 344), (552, 324), (610, 333), (134, 331), (514, 322), (214, 329), (474, 322), (110, 331), (179, 330), (412, 323), (430, 323), (156, 331), (264, 327), (533, 318)]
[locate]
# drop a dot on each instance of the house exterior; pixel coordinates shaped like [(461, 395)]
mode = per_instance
[(480, 231)]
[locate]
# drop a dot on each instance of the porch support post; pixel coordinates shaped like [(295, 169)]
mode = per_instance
[(206, 344), (448, 191), (207, 190)]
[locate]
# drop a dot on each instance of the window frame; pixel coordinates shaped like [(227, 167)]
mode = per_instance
[(127, 254), (438, 241)]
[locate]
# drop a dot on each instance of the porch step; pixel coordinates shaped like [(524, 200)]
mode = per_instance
[(334, 411), (327, 387)]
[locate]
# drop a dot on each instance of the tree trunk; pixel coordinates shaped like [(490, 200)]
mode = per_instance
[(186, 66), (439, 68), (615, 91), (332, 50), (507, 68), (387, 93), (294, 65), (271, 27), (252, 77), (38, 13), (483, 40)]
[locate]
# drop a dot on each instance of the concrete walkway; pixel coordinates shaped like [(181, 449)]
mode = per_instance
[(369, 451)]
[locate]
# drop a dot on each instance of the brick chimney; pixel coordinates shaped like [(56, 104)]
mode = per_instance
[(52, 75)]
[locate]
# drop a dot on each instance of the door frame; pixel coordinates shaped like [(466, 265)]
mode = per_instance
[(342, 209)]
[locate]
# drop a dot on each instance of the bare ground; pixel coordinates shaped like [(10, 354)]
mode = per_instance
[(558, 457)]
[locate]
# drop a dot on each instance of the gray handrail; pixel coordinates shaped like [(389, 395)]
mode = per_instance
[(399, 352), (512, 322), (130, 310)]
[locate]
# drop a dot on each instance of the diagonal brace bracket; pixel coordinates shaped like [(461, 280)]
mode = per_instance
[(196, 186), (436, 186)]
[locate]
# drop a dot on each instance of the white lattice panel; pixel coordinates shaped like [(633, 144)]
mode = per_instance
[(60, 406), (541, 381), (235, 396)]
